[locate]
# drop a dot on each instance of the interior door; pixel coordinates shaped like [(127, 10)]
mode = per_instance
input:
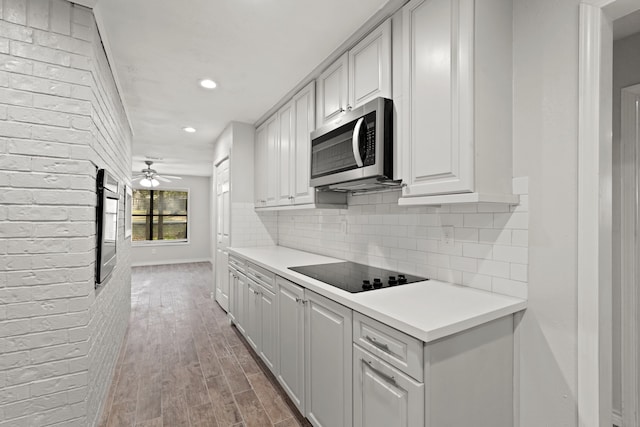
[(223, 218)]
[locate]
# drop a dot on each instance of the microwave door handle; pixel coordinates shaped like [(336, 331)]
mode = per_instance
[(355, 142)]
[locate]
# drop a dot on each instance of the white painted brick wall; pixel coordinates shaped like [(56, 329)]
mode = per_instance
[(61, 118), (488, 251)]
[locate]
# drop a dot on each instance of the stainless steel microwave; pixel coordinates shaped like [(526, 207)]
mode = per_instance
[(356, 152)]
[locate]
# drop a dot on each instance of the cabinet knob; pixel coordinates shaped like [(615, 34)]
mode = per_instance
[(349, 108), (341, 110)]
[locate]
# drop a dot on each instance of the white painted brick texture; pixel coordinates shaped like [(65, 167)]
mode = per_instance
[(488, 250), (61, 118)]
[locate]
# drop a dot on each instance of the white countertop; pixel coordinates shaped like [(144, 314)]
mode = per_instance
[(426, 310)]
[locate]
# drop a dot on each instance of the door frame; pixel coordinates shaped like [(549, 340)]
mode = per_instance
[(630, 226), (595, 81)]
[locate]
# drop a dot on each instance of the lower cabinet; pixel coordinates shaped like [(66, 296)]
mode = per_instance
[(252, 326), (267, 328), (242, 303), (342, 368), (384, 396), (290, 342), (328, 379)]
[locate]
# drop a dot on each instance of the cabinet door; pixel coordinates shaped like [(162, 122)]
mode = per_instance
[(285, 142), (332, 91), (438, 154), (260, 161), (267, 325), (329, 365), (222, 289), (290, 327), (272, 160), (370, 66), (304, 104), (254, 334), (383, 396), (233, 300), (242, 304)]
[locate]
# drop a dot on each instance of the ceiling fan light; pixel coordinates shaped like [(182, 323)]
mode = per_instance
[(154, 182), (146, 182)]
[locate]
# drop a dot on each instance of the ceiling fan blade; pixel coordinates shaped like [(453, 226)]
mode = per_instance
[(137, 178), (161, 178), (171, 176)]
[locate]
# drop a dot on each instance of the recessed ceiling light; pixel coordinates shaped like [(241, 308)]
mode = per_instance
[(189, 129), (208, 84)]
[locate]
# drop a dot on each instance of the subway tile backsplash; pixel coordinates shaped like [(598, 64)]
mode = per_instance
[(249, 228), (487, 250)]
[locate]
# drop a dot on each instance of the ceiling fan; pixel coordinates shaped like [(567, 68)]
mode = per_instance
[(150, 178)]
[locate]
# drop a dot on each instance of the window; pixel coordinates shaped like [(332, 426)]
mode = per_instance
[(159, 215)]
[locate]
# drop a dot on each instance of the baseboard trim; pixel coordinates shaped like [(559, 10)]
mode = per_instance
[(170, 261), (616, 417)]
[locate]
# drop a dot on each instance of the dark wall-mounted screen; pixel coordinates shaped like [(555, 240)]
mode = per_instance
[(107, 225)]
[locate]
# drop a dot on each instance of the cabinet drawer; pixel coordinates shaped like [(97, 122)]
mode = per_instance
[(237, 263), (395, 347), (383, 396), (262, 276)]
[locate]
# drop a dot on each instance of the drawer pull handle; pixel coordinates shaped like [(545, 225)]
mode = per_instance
[(387, 377), (381, 346)]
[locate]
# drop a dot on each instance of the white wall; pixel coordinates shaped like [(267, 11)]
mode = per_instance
[(61, 118), (545, 138), (199, 234), (626, 72)]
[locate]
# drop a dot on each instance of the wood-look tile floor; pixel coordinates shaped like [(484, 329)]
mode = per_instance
[(182, 363)]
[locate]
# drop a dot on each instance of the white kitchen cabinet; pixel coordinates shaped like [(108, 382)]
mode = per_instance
[(358, 76), (273, 163), (333, 91), (253, 316), (304, 120), (261, 167), (328, 362), (267, 325), (233, 285), (286, 171), (286, 149), (242, 305), (384, 396), (370, 67), (290, 327), (456, 116)]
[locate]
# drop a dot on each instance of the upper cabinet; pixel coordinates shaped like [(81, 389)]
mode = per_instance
[(361, 74), (283, 156), (261, 167), (286, 146), (267, 162), (370, 67), (456, 112), (333, 91), (304, 120)]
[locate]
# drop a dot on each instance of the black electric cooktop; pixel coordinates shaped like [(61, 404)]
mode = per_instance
[(353, 277)]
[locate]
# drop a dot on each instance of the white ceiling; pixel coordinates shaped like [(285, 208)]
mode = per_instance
[(627, 25), (256, 50)]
